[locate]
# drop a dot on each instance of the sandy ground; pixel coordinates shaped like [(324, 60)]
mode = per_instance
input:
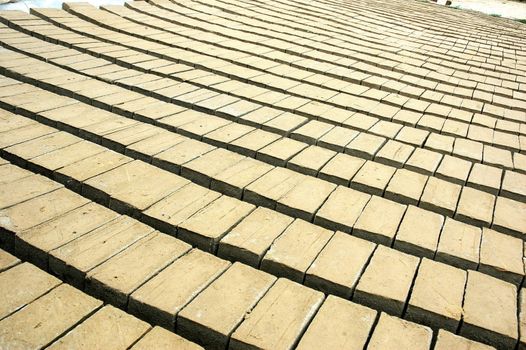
[(504, 8), (26, 5)]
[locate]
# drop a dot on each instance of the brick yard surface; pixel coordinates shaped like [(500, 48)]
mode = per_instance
[(239, 174)]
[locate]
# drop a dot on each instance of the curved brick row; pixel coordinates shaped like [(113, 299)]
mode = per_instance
[(362, 56), (124, 262), (39, 311), (308, 91), (324, 135), (253, 180), (382, 111), (475, 207)]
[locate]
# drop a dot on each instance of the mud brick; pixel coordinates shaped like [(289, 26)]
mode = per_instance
[(501, 256), (436, 299), (394, 153), (217, 311), (440, 196), (387, 280), (475, 207), (295, 250), (44, 320), (278, 320), (207, 226), (454, 169), (490, 311), (248, 241), (406, 186), (341, 169), (459, 244), (339, 324), (419, 232), (339, 265), (341, 210), (394, 333), (115, 279), (379, 229)]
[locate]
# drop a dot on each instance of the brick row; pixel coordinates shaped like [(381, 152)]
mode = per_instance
[(38, 310), (329, 134), (316, 49), (114, 263), (388, 113), (450, 241), (470, 205), (427, 43), (286, 72)]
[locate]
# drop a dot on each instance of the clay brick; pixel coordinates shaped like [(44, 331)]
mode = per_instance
[(387, 280), (161, 298), (218, 310), (501, 256), (459, 244), (295, 249), (248, 241), (339, 324), (436, 299), (490, 311), (279, 318), (419, 232), (394, 333), (379, 229), (339, 265), (342, 209), (44, 320)]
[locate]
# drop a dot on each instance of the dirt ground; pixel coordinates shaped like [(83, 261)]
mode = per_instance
[(503, 8)]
